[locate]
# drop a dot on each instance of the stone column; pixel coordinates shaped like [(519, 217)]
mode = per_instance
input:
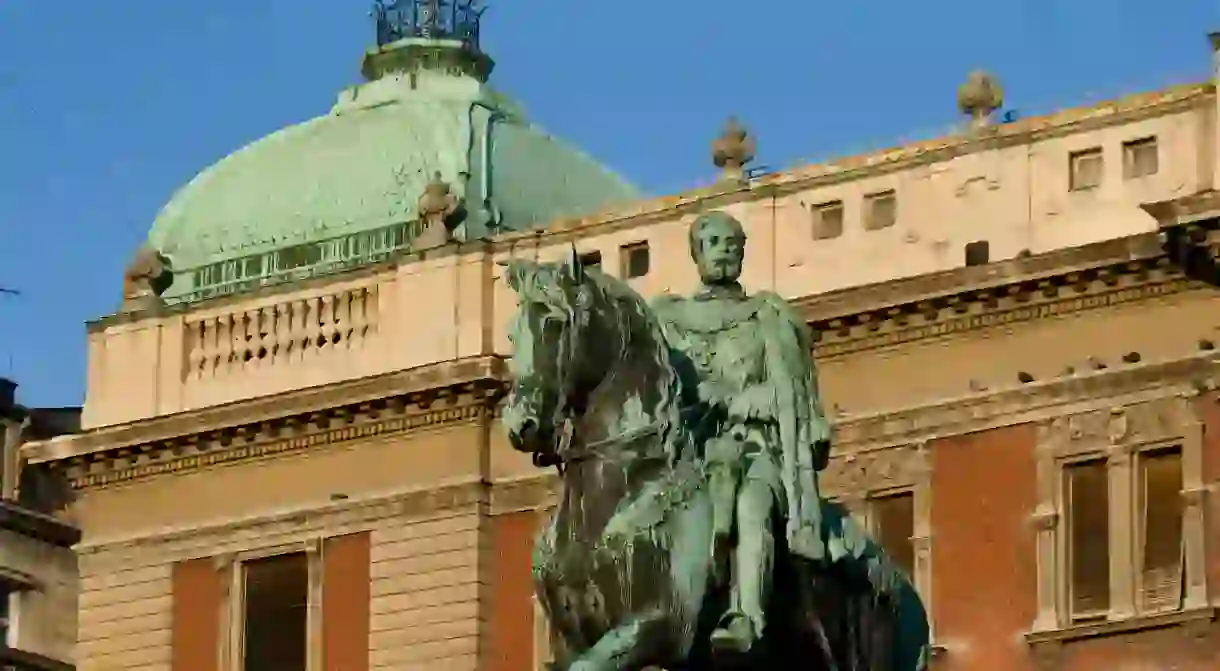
[(1194, 499), (1122, 512), (1046, 525)]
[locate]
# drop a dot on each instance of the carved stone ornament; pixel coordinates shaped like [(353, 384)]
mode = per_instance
[(980, 97), (147, 276), (440, 210), (733, 150), (887, 468), (1157, 420)]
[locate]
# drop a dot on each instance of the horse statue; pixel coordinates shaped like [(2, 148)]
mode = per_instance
[(623, 569)]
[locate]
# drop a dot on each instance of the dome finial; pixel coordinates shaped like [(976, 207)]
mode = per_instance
[(427, 34), (429, 19)]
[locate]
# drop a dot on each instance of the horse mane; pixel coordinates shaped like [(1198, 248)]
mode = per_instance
[(632, 312)]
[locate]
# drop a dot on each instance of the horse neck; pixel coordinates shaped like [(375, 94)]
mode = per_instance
[(637, 392)]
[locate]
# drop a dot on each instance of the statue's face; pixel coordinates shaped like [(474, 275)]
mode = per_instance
[(721, 251)]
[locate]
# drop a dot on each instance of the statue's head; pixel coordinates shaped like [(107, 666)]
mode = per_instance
[(718, 246)]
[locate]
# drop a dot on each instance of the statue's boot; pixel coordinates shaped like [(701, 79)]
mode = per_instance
[(734, 636)]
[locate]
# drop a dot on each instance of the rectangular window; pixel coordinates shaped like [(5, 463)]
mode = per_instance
[(892, 520), (828, 220), (881, 210), (275, 621), (635, 259), (1087, 499), (592, 259), (1140, 158), (1161, 551), (1086, 169)]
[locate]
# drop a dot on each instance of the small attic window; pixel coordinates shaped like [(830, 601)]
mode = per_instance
[(881, 210), (636, 260), (978, 253), (591, 259)]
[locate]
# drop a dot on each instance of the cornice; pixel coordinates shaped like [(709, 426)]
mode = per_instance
[(334, 518), (1059, 283), (1032, 402), (1026, 131), (429, 396)]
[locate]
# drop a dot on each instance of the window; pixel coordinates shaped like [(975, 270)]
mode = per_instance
[(881, 210), (591, 259), (635, 260), (1140, 158), (1161, 549), (1086, 169), (978, 253), (275, 617), (892, 524), (1087, 498), (828, 220)]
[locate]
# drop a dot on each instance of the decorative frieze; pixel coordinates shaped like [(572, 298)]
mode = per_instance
[(999, 305)]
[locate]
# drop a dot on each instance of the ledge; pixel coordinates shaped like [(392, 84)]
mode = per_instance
[(423, 381), (1135, 624), (19, 660), (38, 526)]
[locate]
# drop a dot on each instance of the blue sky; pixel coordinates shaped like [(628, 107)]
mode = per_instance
[(107, 107)]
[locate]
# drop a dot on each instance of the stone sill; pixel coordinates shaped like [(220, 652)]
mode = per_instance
[(1134, 624)]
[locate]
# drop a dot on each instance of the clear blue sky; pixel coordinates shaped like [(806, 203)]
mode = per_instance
[(107, 107)]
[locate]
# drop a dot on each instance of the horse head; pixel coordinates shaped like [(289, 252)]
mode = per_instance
[(560, 336)]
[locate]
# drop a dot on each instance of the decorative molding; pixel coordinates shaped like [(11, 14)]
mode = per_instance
[(863, 472), (233, 538), (534, 493), (866, 324), (1120, 428), (1034, 402), (427, 397)]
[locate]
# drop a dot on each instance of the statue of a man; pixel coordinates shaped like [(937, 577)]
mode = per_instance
[(753, 360)]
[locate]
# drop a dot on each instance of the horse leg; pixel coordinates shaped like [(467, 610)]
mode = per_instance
[(624, 647)]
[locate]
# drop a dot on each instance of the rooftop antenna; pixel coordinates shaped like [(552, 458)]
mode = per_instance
[(5, 291)]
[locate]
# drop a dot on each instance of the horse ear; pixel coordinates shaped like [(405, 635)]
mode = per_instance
[(575, 265)]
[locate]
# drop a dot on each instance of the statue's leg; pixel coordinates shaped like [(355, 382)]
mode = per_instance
[(723, 481), (755, 551)]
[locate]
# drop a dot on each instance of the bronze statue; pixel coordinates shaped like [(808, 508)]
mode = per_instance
[(751, 357), (688, 439)]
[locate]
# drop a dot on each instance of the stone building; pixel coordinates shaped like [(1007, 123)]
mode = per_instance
[(289, 448), (38, 574)]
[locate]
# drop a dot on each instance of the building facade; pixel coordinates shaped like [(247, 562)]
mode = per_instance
[(289, 455), (38, 572)]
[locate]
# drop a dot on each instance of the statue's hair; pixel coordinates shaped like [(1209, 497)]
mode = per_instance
[(705, 219)]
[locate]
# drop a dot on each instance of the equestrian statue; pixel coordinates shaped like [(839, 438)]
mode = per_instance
[(688, 434)]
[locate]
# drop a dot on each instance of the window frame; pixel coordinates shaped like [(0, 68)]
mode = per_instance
[(1131, 147), (1074, 160), (870, 207), (233, 609), (817, 224), (1119, 433)]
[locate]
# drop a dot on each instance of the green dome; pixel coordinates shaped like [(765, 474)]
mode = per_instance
[(340, 190)]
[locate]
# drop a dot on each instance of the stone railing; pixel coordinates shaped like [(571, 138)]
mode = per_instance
[(296, 330)]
